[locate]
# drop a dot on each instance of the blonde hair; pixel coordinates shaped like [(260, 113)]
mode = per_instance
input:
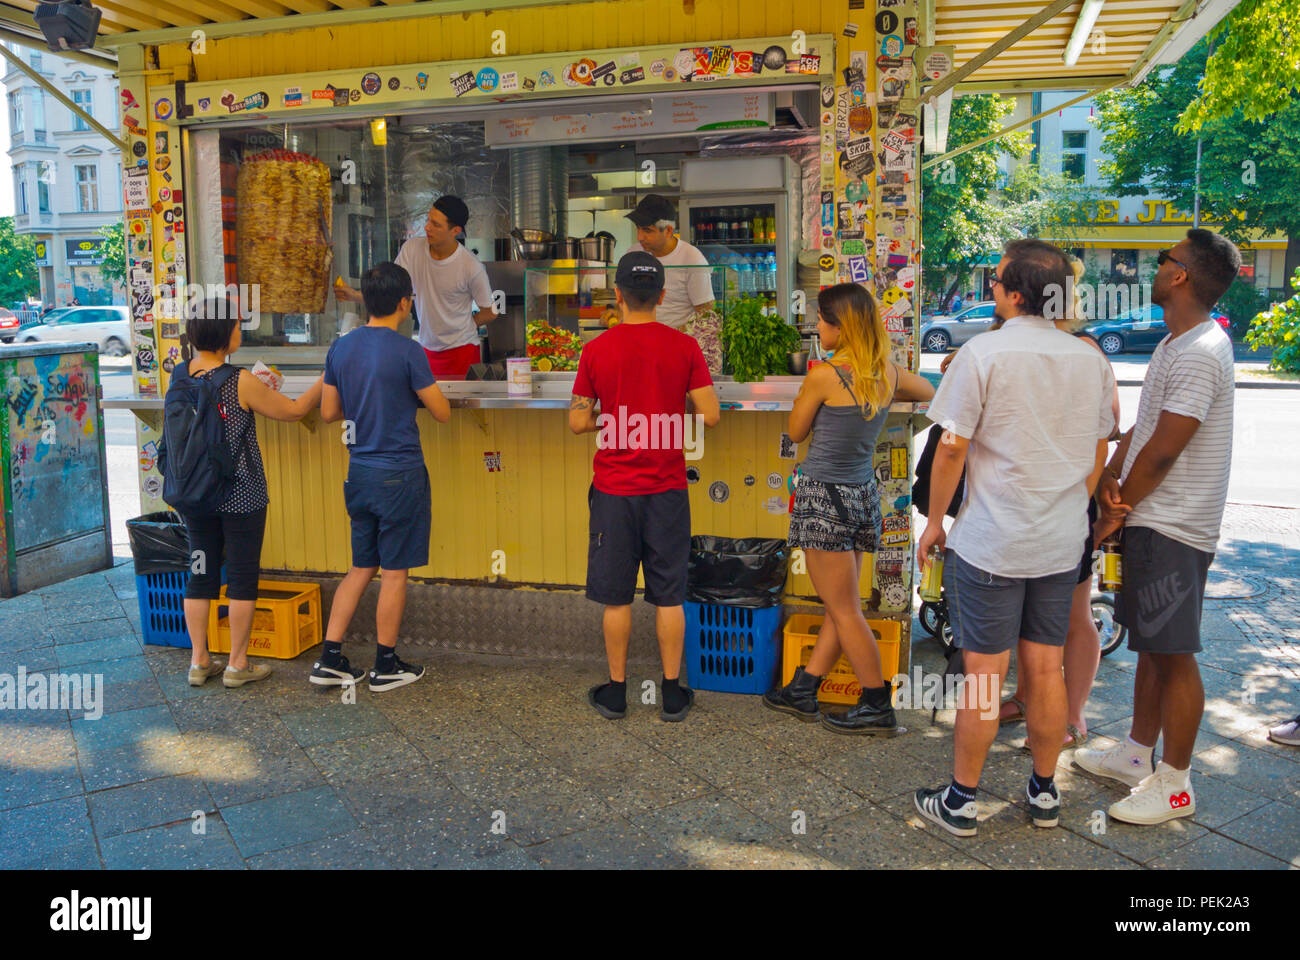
[(864, 342)]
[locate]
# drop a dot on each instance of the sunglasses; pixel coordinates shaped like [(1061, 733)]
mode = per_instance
[(1164, 255)]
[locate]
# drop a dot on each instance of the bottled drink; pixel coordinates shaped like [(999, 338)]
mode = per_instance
[(758, 228), (735, 223), (746, 283), (771, 229), (1111, 577), (772, 274), (744, 227), (722, 227), (932, 576)]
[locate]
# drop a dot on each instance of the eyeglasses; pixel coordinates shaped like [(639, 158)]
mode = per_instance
[(1164, 255), (996, 279)]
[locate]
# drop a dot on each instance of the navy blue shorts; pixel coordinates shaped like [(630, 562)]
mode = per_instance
[(651, 531), (990, 613), (391, 516)]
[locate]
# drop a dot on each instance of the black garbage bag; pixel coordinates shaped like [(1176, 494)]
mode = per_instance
[(740, 572), (159, 543)]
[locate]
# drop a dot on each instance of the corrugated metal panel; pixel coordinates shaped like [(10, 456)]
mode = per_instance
[(534, 509)]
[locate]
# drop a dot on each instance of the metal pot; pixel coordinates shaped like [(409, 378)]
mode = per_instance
[(533, 251), (799, 363), (532, 236), (597, 248), (568, 248)]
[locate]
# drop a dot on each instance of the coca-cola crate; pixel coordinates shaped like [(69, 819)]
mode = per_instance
[(286, 620), (841, 684), (732, 649)]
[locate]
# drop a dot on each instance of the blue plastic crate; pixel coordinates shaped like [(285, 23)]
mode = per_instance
[(732, 649), (162, 607)]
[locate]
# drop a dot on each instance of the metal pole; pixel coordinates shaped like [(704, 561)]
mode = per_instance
[(59, 95), (1196, 195)]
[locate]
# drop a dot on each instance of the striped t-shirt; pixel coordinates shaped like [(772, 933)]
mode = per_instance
[(1190, 375)]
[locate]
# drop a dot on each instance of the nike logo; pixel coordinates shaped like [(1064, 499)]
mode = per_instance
[(1156, 624)]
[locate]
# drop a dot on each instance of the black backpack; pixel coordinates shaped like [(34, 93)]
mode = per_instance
[(196, 462)]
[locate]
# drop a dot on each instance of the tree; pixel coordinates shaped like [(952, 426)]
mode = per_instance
[(113, 269), (1248, 167), (1255, 67), (971, 210), (18, 279)]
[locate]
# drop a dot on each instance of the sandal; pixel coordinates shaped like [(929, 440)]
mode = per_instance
[(1015, 717), (1077, 739)]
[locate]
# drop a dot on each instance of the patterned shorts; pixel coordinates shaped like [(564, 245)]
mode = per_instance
[(835, 516)]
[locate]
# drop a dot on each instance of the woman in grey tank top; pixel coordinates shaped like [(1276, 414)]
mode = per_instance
[(836, 515)]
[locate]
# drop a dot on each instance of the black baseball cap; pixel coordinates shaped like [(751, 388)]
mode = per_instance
[(639, 270), (454, 209), (651, 210)]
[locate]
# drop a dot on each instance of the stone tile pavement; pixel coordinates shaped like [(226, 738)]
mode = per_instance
[(495, 762)]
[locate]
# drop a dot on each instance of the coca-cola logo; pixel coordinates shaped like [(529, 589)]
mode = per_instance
[(849, 688)]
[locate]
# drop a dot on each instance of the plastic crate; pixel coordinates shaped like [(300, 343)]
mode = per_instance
[(841, 684), (286, 620), (731, 649), (162, 607)]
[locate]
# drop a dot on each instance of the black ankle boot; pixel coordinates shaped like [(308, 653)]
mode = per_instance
[(872, 714), (797, 698)]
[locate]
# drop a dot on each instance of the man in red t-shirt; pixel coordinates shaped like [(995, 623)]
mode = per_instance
[(641, 372)]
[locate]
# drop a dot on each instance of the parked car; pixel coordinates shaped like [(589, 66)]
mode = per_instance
[(110, 327), (1140, 330), (940, 333), (9, 324)]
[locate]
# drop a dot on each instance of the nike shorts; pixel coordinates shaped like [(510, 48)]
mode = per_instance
[(1163, 587)]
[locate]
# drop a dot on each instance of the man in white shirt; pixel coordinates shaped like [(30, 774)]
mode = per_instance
[(1027, 411), (1166, 485), (449, 284), (686, 292)]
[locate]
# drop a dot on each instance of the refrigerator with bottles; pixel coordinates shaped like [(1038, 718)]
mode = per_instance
[(744, 213)]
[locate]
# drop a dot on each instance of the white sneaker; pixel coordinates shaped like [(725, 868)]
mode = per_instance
[(1123, 762), (1287, 733), (1165, 795)]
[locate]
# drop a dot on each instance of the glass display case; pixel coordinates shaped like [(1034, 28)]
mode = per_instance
[(575, 298)]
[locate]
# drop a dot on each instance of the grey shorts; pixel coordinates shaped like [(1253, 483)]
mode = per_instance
[(837, 517), (989, 613), (1163, 587)]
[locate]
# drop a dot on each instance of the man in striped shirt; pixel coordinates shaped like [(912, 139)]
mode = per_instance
[(1166, 486)]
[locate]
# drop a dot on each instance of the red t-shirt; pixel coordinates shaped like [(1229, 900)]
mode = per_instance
[(641, 373)]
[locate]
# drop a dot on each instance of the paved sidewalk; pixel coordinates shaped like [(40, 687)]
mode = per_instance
[(284, 775)]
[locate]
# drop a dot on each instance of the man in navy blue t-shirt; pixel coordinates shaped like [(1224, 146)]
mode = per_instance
[(375, 381)]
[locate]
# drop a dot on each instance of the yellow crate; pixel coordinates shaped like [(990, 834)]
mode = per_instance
[(286, 620), (841, 684)]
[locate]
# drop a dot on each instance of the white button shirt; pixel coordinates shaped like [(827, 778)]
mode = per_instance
[(1033, 401)]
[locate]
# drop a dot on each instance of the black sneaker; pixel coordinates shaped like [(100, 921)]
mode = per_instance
[(338, 674), (960, 823), (399, 675), (1044, 809), (680, 715), (600, 708)]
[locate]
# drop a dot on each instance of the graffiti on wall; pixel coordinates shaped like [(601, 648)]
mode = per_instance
[(54, 444)]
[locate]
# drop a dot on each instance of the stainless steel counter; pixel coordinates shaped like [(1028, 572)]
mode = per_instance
[(551, 391)]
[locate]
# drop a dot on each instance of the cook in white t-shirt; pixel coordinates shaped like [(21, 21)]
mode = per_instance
[(448, 283), (686, 292)]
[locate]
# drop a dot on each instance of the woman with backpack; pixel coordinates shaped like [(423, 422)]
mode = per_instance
[(214, 478), (836, 515)]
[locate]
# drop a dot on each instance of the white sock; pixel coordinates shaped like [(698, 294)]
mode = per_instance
[(1134, 745)]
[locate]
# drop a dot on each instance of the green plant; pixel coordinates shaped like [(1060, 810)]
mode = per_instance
[(1242, 303), (1279, 328), (758, 344)]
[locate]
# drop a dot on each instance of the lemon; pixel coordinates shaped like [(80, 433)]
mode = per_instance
[(544, 364)]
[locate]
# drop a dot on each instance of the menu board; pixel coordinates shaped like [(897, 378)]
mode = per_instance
[(667, 116)]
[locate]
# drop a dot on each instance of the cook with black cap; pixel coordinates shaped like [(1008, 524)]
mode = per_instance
[(686, 292), (448, 283)]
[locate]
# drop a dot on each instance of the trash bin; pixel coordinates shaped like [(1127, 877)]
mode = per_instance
[(733, 612), (740, 572), (160, 548)]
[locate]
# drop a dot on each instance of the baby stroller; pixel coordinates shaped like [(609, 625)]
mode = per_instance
[(934, 614)]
